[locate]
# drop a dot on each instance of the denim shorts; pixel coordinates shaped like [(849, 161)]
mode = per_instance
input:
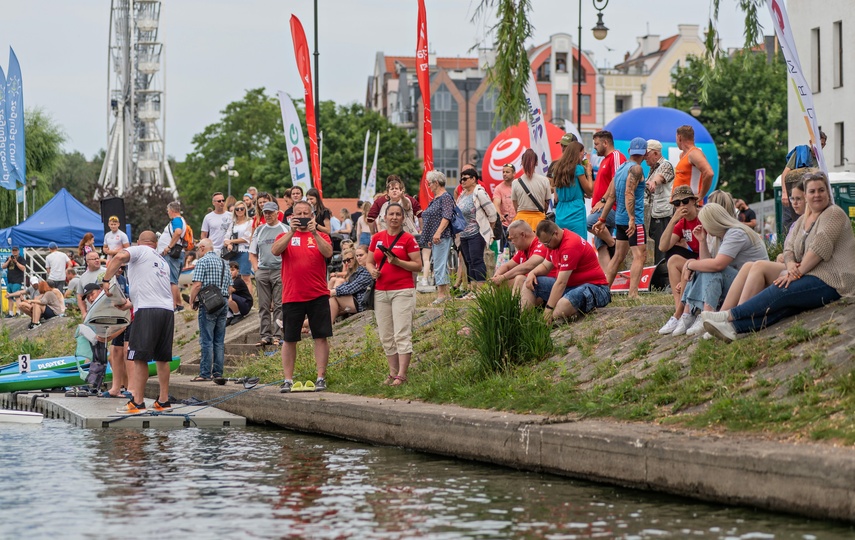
[(243, 260), (584, 298), (593, 217), (174, 268)]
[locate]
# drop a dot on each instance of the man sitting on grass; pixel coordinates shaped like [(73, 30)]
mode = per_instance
[(581, 284), (530, 253)]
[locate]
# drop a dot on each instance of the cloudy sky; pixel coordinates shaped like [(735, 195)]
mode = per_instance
[(216, 49)]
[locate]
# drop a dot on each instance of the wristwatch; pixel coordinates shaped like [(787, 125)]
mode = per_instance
[(603, 200)]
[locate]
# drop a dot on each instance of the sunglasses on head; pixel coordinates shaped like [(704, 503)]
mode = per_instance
[(681, 202)]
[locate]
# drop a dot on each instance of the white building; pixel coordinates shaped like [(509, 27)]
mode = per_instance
[(825, 39)]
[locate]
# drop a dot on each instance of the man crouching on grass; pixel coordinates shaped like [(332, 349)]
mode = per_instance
[(580, 286)]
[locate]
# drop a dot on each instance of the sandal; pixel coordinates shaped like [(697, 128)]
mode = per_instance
[(398, 381), (264, 342), (200, 379), (389, 380)]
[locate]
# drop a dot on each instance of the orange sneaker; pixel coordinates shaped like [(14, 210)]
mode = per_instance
[(132, 408), (162, 407)]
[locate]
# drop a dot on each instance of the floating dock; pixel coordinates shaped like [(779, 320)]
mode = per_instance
[(94, 412)]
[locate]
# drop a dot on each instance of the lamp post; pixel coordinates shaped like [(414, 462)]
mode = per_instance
[(600, 32), (228, 168)]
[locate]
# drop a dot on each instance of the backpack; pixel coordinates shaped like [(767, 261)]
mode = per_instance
[(187, 239)]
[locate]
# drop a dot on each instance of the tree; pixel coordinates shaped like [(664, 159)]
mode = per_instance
[(748, 136), (508, 75), (44, 139), (79, 176), (250, 131)]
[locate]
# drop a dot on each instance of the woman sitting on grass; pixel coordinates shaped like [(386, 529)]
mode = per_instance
[(48, 304), (819, 255), (347, 292), (709, 277)]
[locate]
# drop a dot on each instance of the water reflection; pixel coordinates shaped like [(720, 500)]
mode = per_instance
[(262, 483)]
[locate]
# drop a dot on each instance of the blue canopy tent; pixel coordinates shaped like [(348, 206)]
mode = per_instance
[(63, 220)]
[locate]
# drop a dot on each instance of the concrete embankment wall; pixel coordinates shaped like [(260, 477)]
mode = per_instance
[(807, 479)]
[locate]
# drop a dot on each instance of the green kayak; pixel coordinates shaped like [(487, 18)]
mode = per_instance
[(60, 378)]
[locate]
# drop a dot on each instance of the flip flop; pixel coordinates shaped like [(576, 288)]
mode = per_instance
[(200, 379), (264, 342), (309, 386), (107, 394), (298, 387)]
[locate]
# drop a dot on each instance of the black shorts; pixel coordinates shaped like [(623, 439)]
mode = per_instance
[(318, 311), (242, 303), (124, 337), (682, 252), (637, 239), (151, 335), (48, 313)]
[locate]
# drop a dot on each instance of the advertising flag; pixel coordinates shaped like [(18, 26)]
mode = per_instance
[(301, 52), (6, 179), (296, 143), (423, 76), (15, 142), (537, 125), (364, 167), (781, 22), (371, 183)]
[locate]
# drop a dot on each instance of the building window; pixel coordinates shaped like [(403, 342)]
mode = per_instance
[(837, 52), (543, 72), (561, 62), (488, 101), (815, 62), (441, 99), (839, 156), (544, 103), (445, 118), (485, 131), (562, 106), (623, 104), (662, 101), (586, 104), (576, 74)]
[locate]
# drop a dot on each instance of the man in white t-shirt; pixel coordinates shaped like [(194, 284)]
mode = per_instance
[(154, 319), (216, 223), (55, 263), (114, 240)]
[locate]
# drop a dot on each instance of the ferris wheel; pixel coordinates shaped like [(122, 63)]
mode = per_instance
[(136, 112)]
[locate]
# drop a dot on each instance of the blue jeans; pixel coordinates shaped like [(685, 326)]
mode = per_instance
[(774, 303), (593, 217), (212, 339), (473, 255), (584, 298), (439, 257), (709, 288)]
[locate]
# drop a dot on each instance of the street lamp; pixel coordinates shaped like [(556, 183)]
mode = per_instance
[(695, 109), (228, 168), (600, 32)]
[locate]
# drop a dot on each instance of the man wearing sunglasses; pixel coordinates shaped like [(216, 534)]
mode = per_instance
[(680, 245), (216, 223)]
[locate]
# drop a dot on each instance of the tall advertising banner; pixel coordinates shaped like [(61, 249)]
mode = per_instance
[(781, 22), (371, 183), (364, 167), (6, 179), (15, 141), (423, 75), (538, 138), (295, 141), (301, 52)]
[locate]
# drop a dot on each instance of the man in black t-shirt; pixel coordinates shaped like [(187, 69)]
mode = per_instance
[(15, 267), (746, 214), (240, 299)]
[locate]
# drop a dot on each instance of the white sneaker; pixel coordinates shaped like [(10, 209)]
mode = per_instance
[(707, 335), (720, 316), (721, 329), (696, 328), (684, 324), (669, 326)]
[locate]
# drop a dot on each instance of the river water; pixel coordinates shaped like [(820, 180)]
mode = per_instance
[(59, 481)]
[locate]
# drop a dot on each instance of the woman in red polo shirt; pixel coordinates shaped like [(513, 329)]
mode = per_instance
[(395, 260)]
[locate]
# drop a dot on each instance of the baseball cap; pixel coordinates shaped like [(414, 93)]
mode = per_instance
[(567, 139), (682, 192), (90, 287), (113, 218), (270, 207), (654, 145), (52, 245), (638, 146)]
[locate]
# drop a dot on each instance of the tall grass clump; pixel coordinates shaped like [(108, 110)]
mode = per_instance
[(503, 335)]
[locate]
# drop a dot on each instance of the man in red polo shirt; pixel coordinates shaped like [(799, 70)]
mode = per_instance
[(580, 286), (304, 251), (530, 253)]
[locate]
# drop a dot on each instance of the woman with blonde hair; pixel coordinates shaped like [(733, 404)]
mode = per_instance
[(819, 254), (239, 234), (711, 275), (347, 293)]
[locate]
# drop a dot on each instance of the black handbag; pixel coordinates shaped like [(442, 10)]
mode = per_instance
[(175, 251), (211, 296), (368, 295)]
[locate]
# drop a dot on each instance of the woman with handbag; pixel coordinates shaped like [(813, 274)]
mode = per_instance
[(530, 192), (395, 257), (236, 244), (480, 217), (347, 294)]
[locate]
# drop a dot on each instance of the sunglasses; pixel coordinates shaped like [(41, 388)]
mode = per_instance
[(220, 201), (347, 260), (241, 209), (680, 202)]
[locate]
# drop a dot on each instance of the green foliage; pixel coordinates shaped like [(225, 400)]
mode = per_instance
[(44, 140), (251, 132), (748, 137), (503, 335), (79, 176)]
